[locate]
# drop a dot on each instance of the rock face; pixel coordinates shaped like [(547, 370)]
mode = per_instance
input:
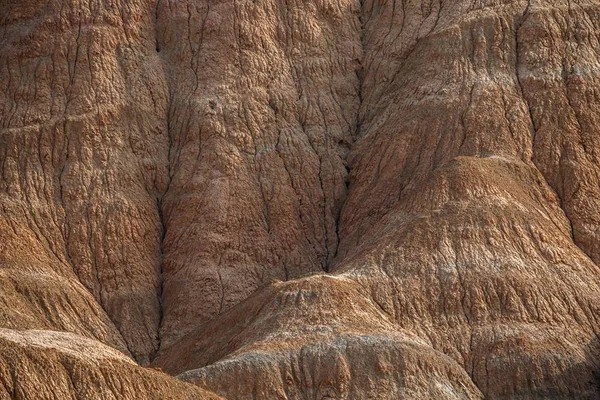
[(300, 199), (48, 364)]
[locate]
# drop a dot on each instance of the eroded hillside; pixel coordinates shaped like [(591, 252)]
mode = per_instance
[(300, 199)]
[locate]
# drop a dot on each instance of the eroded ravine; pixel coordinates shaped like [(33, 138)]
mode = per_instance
[(260, 136), (177, 176)]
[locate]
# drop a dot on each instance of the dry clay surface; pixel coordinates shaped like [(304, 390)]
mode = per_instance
[(57, 365), (300, 199)]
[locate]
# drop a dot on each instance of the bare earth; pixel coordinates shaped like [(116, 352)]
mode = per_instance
[(300, 199)]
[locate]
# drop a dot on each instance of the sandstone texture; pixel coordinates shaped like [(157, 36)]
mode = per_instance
[(58, 365), (300, 199)]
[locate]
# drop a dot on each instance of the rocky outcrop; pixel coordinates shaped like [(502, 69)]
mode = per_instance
[(47, 364), (300, 199), (315, 337), (262, 116), (83, 133)]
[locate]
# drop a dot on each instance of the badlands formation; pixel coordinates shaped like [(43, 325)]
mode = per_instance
[(300, 199)]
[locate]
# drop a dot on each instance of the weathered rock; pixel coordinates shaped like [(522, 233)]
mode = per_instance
[(83, 163), (262, 115), (163, 162), (315, 337), (48, 364)]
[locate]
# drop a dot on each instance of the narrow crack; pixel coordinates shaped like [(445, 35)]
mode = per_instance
[(160, 199), (330, 262), (517, 29), (535, 128), (156, 41), (161, 278)]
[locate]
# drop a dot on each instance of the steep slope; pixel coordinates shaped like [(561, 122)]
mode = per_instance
[(83, 133), (262, 115), (46, 364), (179, 177), (457, 221)]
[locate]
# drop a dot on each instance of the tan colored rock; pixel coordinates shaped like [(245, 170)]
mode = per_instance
[(314, 337), (179, 176), (84, 160), (48, 364), (262, 115)]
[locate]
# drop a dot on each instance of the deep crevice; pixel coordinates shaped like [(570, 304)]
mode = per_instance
[(161, 280), (330, 263), (535, 128), (160, 198)]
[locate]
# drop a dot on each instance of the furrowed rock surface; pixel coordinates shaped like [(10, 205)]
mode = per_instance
[(262, 115), (315, 337), (82, 99), (46, 364), (301, 199)]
